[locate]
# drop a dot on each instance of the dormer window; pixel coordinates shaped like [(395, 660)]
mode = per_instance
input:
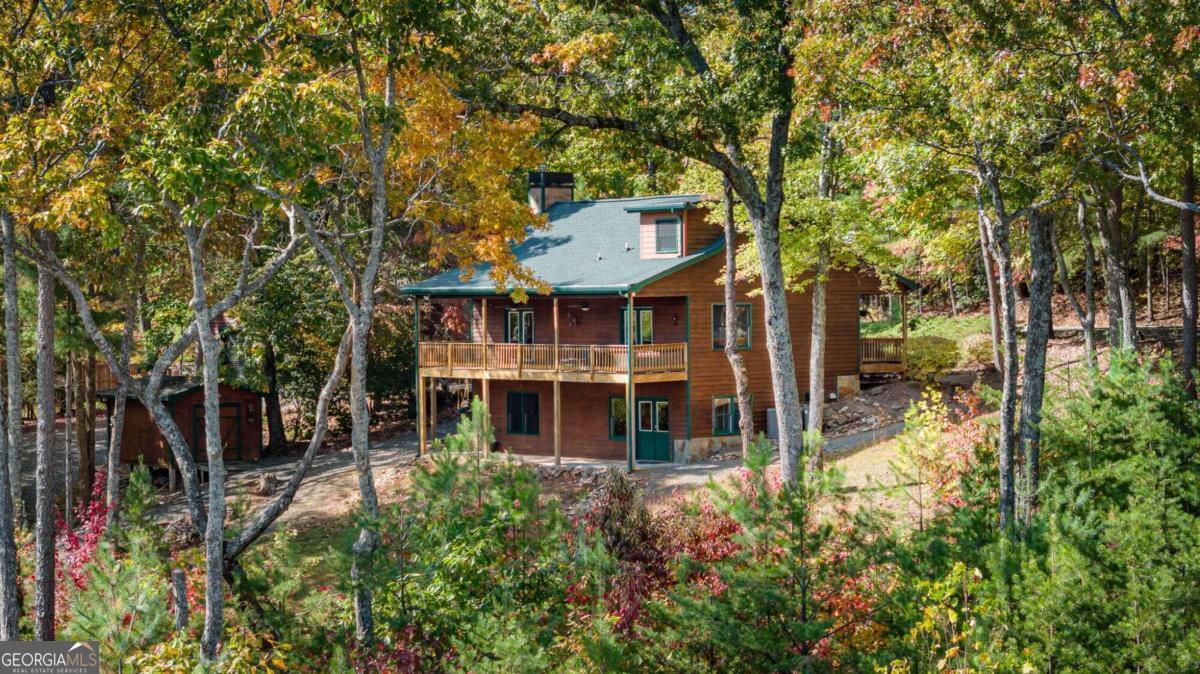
[(667, 235)]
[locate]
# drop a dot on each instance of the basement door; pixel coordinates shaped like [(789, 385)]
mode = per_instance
[(653, 429)]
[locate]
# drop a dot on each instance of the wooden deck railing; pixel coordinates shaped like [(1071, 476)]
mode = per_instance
[(573, 358), (881, 350)]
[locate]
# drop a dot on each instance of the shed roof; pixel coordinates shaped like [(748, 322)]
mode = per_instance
[(172, 388), (591, 247)]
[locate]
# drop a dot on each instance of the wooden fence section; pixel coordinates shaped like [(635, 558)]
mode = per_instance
[(565, 358)]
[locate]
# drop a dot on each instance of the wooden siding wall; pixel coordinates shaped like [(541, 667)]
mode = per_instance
[(601, 324), (186, 411), (584, 415), (701, 231), (647, 235), (710, 373)]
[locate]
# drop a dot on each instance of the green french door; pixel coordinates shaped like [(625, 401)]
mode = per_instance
[(653, 429)]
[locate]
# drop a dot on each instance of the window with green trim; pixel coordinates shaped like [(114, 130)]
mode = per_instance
[(725, 415), (643, 325), (742, 336), (666, 235), (618, 418), (522, 413), (519, 326)]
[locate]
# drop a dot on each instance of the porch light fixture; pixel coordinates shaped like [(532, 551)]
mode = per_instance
[(675, 319), (585, 306)]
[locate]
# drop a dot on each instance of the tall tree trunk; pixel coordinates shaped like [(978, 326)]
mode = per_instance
[(277, 439), (779, 340), (998, 234), (364, 546), (1111, 285), (1149, 284), (950, 293), (43, 598), (816, 351), (1166, 282), (1037, 335), (1121, 301), (214, 534), (1187, 235), (112, 490), (12, 363), (1087, 317), (87, 453), (70, 427), (10, 601), (741, 383), (989, 273), (79, 378)]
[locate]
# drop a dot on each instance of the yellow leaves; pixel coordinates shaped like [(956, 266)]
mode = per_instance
[(569, 55), (1125, 82)]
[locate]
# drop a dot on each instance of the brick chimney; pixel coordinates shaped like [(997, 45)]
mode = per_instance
[(547, 188)]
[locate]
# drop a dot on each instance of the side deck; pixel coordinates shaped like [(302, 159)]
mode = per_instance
[(881, 355), (602, 363)]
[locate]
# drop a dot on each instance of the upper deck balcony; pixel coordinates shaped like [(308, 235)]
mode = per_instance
[(609, 363)]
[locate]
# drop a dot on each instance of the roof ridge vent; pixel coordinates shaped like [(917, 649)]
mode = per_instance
[(599, 257), (628, 247)]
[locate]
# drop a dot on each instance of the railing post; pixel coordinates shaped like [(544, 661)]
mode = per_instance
[(520, 359)]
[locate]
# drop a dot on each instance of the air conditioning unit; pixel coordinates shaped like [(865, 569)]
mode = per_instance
[(773, 422)]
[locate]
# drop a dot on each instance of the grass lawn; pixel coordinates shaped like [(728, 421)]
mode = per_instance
[(948, 327)]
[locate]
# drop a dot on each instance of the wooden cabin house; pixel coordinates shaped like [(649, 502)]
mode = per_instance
[(624, 358), (241, 423)]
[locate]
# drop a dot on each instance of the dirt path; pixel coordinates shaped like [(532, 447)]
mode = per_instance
[(864, 456), (329, 491)]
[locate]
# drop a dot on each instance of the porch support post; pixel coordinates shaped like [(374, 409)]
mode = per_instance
[(433, 419), (417, 350), (487, 403), (557, 423), (903, 329), (630, 400), (556, 357), (420, 415)]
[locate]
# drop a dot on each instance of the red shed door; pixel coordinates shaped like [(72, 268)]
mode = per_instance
[(231, 430)]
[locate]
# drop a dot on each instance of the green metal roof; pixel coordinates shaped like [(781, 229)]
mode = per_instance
[(591, 247)]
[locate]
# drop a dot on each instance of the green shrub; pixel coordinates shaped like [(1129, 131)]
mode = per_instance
[(789, 588), (475, 552), (929, 358), (975, 351)]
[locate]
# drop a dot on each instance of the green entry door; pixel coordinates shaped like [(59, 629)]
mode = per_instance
[(653, 429)]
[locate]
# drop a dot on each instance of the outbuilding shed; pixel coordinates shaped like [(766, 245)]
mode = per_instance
[(241, 423)]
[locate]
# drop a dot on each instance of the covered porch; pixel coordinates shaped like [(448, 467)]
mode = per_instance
[(549, 342), (879, 354)]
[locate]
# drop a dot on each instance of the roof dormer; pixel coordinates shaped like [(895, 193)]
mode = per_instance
[(663, 229)]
